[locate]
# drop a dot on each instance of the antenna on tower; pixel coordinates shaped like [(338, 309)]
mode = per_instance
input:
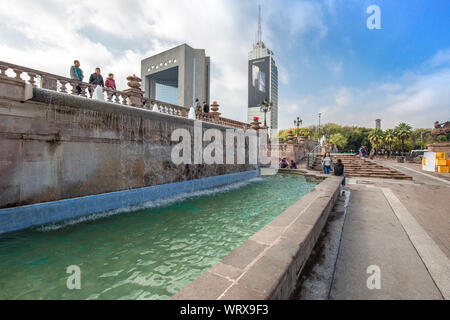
[(259, 25)]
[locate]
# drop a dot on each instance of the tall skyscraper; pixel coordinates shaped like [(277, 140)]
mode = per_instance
[(262, 81)]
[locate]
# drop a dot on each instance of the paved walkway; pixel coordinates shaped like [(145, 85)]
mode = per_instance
[(374, 236), (415, 170), (402, 227)]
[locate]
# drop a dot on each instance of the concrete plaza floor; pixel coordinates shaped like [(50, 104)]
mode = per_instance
[(401, 227)]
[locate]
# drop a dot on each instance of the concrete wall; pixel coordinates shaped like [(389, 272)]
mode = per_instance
[(269, 263), (58, 146)]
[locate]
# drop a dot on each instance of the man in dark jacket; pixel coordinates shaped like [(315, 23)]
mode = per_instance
[(339, 170), (96, 79), (205, 107)]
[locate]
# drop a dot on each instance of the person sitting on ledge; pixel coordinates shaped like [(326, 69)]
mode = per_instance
[(293, 165), (284, 163), (339, 170)]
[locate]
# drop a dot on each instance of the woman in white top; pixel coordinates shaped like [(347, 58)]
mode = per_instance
[(326, 163)]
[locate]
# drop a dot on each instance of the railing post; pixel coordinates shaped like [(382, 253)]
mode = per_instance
[(134, 93), (32, 81), (3, 70)]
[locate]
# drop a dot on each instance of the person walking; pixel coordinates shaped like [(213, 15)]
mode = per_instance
[(326, 163), (76, 74), (96, 79), (205, 107)]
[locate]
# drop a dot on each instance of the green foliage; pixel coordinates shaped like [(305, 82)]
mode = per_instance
[(283, 134), (376, 138), (390, 137), (403, 132), (442, 138), (402, 138), (339, 140)]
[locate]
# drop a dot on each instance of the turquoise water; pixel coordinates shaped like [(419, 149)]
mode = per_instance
[(148, 253)]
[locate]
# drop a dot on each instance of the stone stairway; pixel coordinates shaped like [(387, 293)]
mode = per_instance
[(359, 167)]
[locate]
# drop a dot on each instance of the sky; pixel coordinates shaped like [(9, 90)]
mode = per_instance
[(328, 60)]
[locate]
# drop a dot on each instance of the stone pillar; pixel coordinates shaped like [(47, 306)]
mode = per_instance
[(49, 83), (290, 138), (135, 94), (15, 89), (255, 124), (214, 110)]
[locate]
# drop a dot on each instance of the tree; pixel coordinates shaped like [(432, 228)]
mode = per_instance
[(304, 132), (403, 132), (390, 138), (339, 140), (376, 138)]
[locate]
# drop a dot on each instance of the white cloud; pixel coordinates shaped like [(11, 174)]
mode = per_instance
[(116, 35), (418, 99)]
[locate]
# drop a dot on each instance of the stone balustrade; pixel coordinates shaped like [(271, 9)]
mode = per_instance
[(127, 97)]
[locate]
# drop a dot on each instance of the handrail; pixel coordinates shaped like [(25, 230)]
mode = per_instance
[(58, 83), (312, 154)]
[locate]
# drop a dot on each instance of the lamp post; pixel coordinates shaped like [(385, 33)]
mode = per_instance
[(265, 107), (320, 114), (421, 140), (298, 123)]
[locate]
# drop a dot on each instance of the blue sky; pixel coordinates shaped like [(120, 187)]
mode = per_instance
[(328, 60)]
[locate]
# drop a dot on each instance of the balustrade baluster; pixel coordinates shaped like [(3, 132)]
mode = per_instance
[(74, 85), (63, 86), (32, 81), (3, 70), (18, 73), (124, 99), (83, 89), (117, 97)]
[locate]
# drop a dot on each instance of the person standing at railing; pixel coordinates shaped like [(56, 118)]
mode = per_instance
[(111, 83), (197, 106), (76, 74), (205, 107), (96, 79)]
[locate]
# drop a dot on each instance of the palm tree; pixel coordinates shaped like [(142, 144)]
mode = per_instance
[(403, 131), (389, 138), (376, 138)]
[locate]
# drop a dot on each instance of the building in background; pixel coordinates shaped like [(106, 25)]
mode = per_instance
[(262, 81), (178, 76), (378, 124)]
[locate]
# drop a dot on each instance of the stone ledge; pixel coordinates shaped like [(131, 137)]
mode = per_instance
[(64, 99), (268, 265), (15, 89)]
